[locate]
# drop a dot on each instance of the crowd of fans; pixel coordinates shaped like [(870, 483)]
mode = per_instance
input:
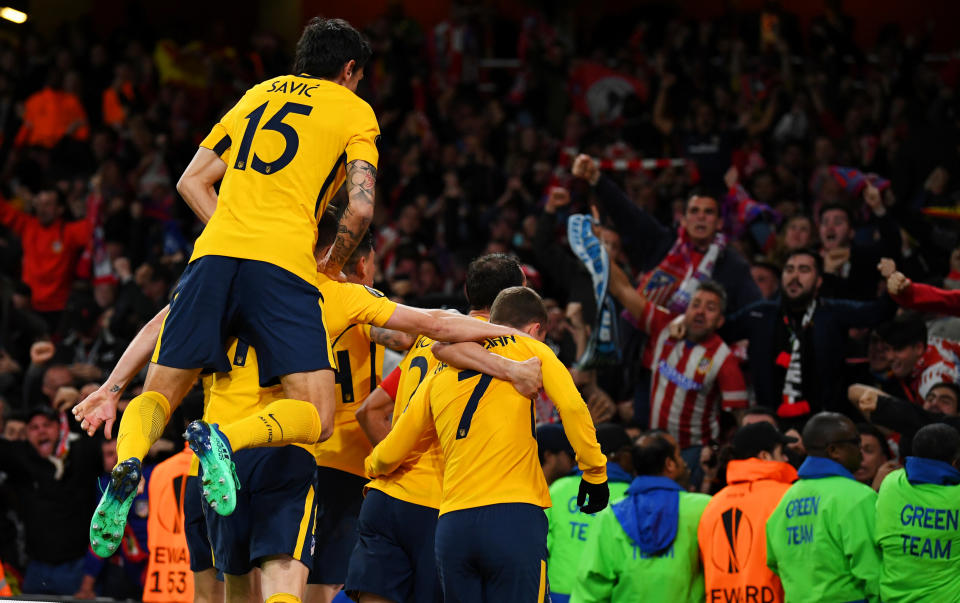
[(744, 283)]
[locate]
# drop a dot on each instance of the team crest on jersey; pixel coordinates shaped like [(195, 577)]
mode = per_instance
[(704, 367), (373, 291)]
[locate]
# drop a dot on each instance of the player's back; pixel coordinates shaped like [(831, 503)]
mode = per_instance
[(349, 310), (289, 139), (419, 479), (487, 432)]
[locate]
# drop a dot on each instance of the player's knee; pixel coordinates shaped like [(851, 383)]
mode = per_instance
[(326, 430)]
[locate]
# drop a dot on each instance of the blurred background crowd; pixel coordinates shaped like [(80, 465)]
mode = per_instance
[(799, 152)]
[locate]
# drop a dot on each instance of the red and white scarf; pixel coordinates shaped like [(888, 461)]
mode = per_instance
[(674, 281)]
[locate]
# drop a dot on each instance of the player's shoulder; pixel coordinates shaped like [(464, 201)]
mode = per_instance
[(534, 347)]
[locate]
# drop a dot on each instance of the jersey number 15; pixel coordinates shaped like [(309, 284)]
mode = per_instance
[(275, 123)]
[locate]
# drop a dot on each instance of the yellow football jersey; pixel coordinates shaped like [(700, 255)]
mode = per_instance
[(349, 310), (487, 431), (237, 394), (289, 140), (419, 480)]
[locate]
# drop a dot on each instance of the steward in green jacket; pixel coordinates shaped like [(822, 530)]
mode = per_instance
[(918, 521), (644, 548), (569, 527), (820, 538)]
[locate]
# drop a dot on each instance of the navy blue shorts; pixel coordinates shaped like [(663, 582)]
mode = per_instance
[(276, 508), (217, 297), (195, 527), (493, 553), (394, 555), (339, 496)]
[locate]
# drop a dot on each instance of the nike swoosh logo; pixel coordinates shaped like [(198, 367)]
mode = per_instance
[(279, 426)]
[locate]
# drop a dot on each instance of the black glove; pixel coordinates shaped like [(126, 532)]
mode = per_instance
[(599, 496)]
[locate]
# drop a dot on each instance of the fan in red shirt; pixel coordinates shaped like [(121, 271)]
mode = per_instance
[(51, 247), (917, 296), (693, 377)]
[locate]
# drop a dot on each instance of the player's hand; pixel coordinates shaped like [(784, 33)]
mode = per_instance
[(598, 495), (526, 377), (99, 408), (585, 167), (886, 267), (868, 401), (41, 352)]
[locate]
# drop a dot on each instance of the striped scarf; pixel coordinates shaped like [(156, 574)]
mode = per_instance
[(674, 281)]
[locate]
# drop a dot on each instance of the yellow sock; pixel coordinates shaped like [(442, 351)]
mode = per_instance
[(283, 598), (281, 422), (142, 425)]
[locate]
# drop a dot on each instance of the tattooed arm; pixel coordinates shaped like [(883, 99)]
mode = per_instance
[(388, 338), (361, 182)]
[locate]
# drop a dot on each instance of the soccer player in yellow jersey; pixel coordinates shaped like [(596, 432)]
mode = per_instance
[(292, 141), (491, 534), (394, 558)]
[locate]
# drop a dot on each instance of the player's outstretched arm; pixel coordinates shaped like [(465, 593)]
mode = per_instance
[(580, 430), (361, 184), (196, 184), (391, 338), (441, 325), (396, 446), (525, 376), (374, 415), (100, 407)]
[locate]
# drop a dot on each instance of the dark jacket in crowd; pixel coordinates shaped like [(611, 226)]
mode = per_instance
[(56, 512), (758, 323), (907, 418)]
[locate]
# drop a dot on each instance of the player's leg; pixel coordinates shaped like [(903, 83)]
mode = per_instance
[(191, 338), (242, 588), (339, 500), (283, 501), (141, 426), (459, 541), (383, 562), (281, 315), (280, 422), (206, 587), (283, 578), (514, 553), (318, 388)]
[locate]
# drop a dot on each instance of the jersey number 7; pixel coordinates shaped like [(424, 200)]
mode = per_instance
[(290, 138), (464, 427)]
